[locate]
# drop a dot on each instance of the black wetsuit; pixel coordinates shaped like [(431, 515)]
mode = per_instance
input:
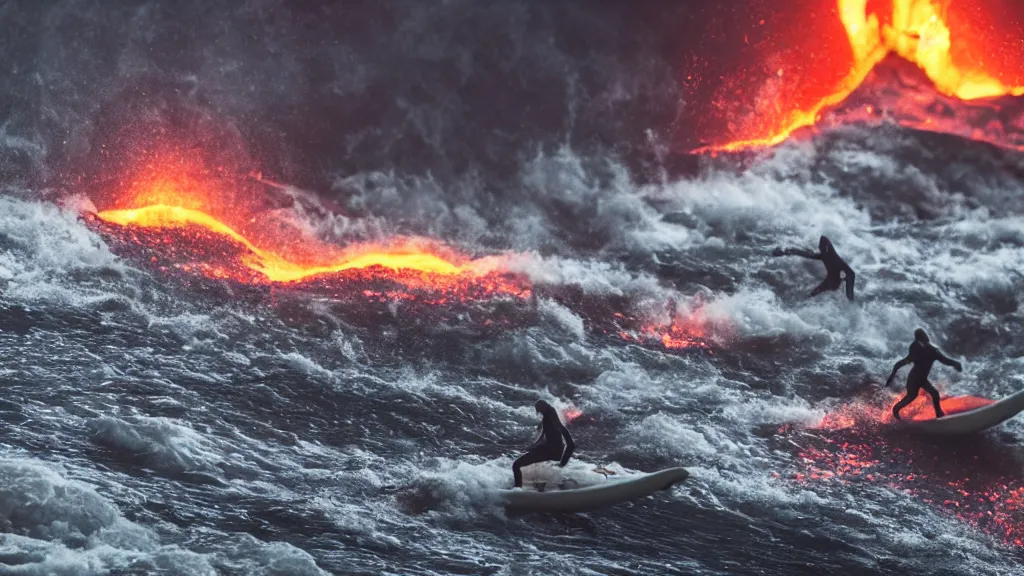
[(548, 447), (922, 355), (834, 266)]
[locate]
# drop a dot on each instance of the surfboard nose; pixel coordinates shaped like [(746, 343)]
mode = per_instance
[(673, 476)]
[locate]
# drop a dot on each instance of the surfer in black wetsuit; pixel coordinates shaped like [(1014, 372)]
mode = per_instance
[(922, 355), (834, 265), (549, 446)]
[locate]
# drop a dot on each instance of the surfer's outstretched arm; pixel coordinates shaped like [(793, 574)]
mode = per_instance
[(949, 361), (570, 446), (541, 440), (896, 368), (797, 252), (850, 276)]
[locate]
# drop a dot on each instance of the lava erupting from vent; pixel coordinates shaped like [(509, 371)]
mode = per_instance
[(958, 55)]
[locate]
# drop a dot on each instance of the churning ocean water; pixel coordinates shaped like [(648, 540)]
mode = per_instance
[(160, 416)]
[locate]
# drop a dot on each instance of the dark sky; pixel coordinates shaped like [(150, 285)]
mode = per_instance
[(307, 91)]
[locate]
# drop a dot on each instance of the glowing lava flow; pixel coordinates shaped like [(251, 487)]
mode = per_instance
[(918, 32), (920, 409), (418, 267)]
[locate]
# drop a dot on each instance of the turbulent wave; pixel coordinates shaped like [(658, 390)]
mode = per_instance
[(159, 421)]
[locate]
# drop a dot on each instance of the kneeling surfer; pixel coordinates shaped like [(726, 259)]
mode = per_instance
[(835, 267), (549, 447), (922, 355)]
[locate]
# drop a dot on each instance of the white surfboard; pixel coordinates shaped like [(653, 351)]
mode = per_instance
[(970, 421), (565, 497)]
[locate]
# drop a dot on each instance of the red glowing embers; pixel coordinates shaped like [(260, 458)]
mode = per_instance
[(677, 335), (682, 329), (572, 413), (976, 479), (973, 487)]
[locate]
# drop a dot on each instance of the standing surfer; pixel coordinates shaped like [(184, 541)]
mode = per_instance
[(922, 355), (834, 265), (549, 447)]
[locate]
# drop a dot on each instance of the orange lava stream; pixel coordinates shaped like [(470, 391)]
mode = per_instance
[(277, 268), (918, 32), (920, 409)]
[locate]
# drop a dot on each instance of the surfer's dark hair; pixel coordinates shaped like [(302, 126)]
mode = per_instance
[(545, 408), (920, 335)]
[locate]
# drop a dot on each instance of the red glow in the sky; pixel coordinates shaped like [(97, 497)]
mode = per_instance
[(964, 54)]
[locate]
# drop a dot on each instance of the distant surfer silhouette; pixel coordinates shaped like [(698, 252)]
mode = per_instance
[(834, 266), (549, 447), (922, 355)]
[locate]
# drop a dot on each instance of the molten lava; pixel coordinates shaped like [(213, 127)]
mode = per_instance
[(958, 62), (920, 409), (410, 265), (276, 268), (185, 216)]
